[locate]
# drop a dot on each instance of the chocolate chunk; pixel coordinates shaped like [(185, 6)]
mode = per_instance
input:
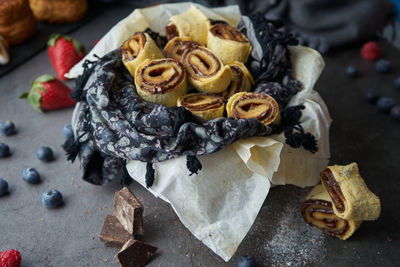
[(113, 233), (134, 254), (129, 211)]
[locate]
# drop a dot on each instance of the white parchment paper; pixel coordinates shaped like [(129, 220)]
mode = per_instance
[(221, 202)]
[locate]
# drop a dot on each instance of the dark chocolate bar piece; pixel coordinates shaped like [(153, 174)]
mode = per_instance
[(113, 233), (129, 211), (134, 253)]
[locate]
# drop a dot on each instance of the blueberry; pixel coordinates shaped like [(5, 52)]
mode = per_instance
[(67, 131), (52, 198), (31, 176), (3, 187), (7, 127), (4, 150), (45, 154), (385, 104), (395, 113), (246, 261), (351, 71), (383, 66), (396, 83), (371, 96)]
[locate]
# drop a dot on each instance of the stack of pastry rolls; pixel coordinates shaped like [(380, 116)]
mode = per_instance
[(210, 59), (339, 205)]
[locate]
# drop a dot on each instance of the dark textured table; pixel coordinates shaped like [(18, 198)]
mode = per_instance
[(69, 236)]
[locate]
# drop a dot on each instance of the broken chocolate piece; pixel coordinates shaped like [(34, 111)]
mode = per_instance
[(134, 254), (113, 233), (129, 211)]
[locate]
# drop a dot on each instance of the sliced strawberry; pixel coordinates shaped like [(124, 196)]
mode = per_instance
[(48, 93), (10, 258), (64, 52)]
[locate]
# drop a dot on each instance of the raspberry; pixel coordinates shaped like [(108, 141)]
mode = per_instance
[(370, 51), (10, 258)]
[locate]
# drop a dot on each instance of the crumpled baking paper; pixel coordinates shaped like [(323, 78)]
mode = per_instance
[(220, 203)]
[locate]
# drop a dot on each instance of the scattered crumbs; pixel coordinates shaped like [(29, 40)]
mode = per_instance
[(105, 260), (193, 254), (187, 232), (72, 183), (176, 222), (304, 262), (186, 252), (92, 237), (42, 219)]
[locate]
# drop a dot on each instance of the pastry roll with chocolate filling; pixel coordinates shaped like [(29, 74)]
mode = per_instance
[(137, 49), (205, 71), (192, 24), (4, 58), (317, 212), (228, 43), (176, 47), (259, 106), (241, 80), (351, 198), (206, 106), (161, 81)]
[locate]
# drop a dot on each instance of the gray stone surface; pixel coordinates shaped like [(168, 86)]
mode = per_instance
[(68, 236)]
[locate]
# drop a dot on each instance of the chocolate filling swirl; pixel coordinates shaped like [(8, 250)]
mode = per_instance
[(201, 102), (132, 47), (238, 83), (227, 32), (201, 63), (177, 47), (160, 76), (171, 31), (328, 179)]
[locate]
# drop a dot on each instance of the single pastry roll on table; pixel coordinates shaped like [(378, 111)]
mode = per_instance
[(241, 80), (161, 81), (192, 24), (317, 211), (59, 11), (137, 49), (206, 106), (176, 47), (259, 106), (228, 43), (4, 57), (351, 198), (205, 71)]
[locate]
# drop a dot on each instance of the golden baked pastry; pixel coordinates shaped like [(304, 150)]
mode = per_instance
[(59, 11), (228, 43), (161, 81), (205, 71), (192, 24), (259, 106), (351, 198), (137, 49), (176, 47), (4, 58), (16, 21), (206, 106), (317, 212), (241, 80)]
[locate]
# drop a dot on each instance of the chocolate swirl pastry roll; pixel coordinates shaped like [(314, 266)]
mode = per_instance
[(206, 106), (176, 47), (192, 24), (259, 106), (4, 57), (161, 81), (317, 211), (241, 80), (205, 71), (137, 49), (228, 43), (351, 198)]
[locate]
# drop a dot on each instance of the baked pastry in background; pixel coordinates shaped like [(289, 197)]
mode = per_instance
[(16, 21), (137, 49), (351, 198), (192, 24), (58, 11), (161, 81), (259, 106), (4, 57), (177, 46), (206, 106), (205, 71), (228, 44), (317, 211)]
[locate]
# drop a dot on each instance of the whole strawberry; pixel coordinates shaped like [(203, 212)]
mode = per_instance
[(64, 52), (10, 258), (48, 93)]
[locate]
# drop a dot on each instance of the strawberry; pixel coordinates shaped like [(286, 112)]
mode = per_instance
[(47, 93), (10, 258), (64, 52)]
